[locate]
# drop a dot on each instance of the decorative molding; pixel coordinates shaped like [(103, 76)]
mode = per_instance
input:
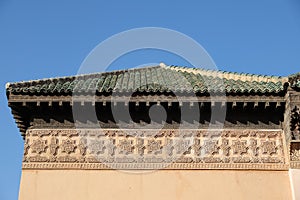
[(144, 98), (41, 124), (155, 149), (152, 166)]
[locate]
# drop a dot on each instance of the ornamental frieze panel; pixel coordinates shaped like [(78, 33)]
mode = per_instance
[(153, 149), (68, 146), (154, 146), (38, 146), (211, 147), (269, 147), (239, 147)]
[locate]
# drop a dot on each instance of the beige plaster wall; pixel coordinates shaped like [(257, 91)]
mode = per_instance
[(162, 184), (295, 182)]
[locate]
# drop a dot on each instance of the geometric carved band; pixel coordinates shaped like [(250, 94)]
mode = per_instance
[(155, 149)]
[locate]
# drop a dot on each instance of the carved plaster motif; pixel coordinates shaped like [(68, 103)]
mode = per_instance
[(149, 149)]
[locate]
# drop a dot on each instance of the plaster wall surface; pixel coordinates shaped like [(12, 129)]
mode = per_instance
[(161, 184), (295, 181)]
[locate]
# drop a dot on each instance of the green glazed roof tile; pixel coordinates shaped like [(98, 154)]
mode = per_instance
[(157, 79)]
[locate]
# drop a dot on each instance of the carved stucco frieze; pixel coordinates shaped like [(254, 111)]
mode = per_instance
[(182, 146), (154, 146), (151, 149), (197, 147), (126, 146), (96, 146), (140, 146), (239, 147), (53, 146), (225, 148), (211, 147), (268, 147), (38, 146), (68, 146)]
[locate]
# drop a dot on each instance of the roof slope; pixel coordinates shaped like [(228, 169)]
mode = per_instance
[(156, 79)]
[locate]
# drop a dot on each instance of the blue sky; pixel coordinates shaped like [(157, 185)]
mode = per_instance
[(40, 39)]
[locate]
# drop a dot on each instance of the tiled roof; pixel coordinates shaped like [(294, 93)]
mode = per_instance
[(157, 79)]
